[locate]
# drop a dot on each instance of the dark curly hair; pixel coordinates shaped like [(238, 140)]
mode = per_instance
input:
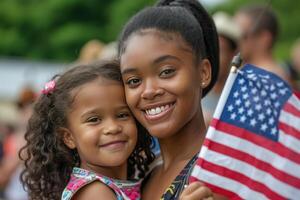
[(189, 19), (48, 161)]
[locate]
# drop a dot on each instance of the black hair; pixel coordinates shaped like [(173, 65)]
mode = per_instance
[(185, 17), (48, 161), (263, 18)]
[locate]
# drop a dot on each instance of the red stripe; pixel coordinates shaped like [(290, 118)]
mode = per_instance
[(252, 184), (271, 145), (288, 107), (245, 157), (223, 192), (289, 130), (216, 189)]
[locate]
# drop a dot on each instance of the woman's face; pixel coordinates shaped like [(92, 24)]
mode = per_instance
[(162, 81)]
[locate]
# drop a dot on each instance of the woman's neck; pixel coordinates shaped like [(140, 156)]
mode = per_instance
[(183, 145)]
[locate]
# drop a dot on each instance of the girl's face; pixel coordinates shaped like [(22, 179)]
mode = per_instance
[(100, 125), (162, 81)]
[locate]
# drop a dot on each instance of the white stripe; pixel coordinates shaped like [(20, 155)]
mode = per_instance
[(289, 141), (290, 119), (251, 172), (277, 161), (295, 101), (224, 95), (236, 187)]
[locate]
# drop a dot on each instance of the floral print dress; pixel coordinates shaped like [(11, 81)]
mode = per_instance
[(124, 190)]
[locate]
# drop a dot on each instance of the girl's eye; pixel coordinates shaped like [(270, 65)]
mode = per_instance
[(123, 115), (133, 82), (167, 73), (93, 120)]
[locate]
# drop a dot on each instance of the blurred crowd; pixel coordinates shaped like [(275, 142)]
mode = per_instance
[(253, 31)]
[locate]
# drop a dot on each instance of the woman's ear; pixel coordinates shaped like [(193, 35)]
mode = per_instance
[(204, 73), (67, 137)]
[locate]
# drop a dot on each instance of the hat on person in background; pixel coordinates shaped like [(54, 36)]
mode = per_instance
[(226, 26)]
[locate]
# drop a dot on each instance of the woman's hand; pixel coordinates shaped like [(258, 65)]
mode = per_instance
[(196, 191)]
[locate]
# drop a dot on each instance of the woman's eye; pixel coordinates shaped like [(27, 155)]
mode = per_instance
[(167, 73), (133, 82), (93, 120)]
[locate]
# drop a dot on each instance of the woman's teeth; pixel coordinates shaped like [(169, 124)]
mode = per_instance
[(157, 110)]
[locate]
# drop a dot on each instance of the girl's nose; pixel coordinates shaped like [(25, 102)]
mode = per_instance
[(111, 127)]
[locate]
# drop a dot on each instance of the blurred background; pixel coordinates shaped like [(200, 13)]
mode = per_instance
[(41, 38)]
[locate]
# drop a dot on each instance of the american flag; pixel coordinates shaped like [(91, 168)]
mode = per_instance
[(252, 147)]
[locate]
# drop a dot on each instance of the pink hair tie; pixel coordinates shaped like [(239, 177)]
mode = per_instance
[(49, 87)]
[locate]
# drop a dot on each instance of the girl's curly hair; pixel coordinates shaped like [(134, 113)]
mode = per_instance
[(48, 161)]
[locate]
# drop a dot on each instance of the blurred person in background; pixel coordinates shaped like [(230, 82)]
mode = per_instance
[(91, 51), (294, 65), (11, 165), (229, 34), (260, 28)]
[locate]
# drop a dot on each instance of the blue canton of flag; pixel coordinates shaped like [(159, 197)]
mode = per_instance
[(255, 101)]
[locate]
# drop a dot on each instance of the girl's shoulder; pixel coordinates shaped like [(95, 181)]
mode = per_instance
[(81, 177)]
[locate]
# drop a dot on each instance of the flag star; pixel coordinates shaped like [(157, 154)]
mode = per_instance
[(282, 91), (253, 122), (238, 102), (241, 81), (256, 99), (253, 90), (267, 102), (276, 104), (250, 112), (264, 80), (258, 84), (244, 89), (267, 87), (261, 116), (263, 93), (258, 107), (251, 83), (275, 112), (271, 121), (236, 94), (230, 108), (241, 110), (245, 96), (272, 87), (233, 116), (263, 127), (269, 111), (247, 103), (274, 96), (243, 118), (273, 131), (280, 84)]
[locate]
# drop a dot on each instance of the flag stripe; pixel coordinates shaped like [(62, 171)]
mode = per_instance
[(290, 120), (289, 141), (248, 162), (259, 153), (241, 190), (243, 179), (289, 130), (291, 109), (275, 147)]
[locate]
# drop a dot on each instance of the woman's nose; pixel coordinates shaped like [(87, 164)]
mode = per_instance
[(151, 90)]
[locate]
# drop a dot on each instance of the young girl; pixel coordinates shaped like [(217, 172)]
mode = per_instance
[(82, 137), (169, 61)]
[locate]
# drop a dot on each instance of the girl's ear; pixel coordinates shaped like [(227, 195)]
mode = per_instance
[(67, 137), (204, 73)]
